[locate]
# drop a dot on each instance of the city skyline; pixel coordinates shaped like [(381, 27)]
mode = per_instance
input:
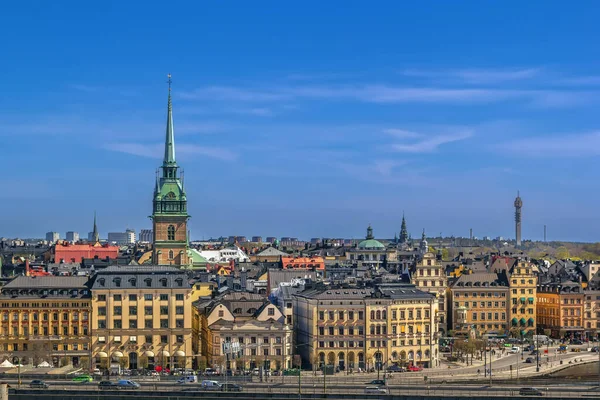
[(289, 131)]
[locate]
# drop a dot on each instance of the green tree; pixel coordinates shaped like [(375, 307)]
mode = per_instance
[(562, 253)]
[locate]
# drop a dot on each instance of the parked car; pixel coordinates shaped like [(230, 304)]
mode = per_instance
[(515, 350), (534, 352), (38, 384), (595, 349), (530, 392), (529, 360), (210, 372), (83, 378), (414, 368), (230, 387), (108, 385), (378, 382), (395, 368), (576, 341), (127, 384), (375, 390)]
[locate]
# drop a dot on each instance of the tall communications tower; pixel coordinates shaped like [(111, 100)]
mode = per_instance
[(518, 206)]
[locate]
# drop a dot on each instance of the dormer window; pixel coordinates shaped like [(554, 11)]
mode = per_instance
[(148, 282), (101, 281), (117, 282), (179, 282), (132, 281)]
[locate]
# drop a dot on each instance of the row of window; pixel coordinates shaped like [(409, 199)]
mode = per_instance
[(436, 271), (475, 294), (147, 297), (341, 315), (529, 281), (497, 316), (133, 323), (522, 291), (43, 305), (253, 339), (45, 331), (55, 346), (148, 310), (148, 339), (483, 304), (45, 316), (522, 311), (164, 282)]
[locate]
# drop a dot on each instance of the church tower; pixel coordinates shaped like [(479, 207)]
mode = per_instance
[(169, 208), (403, 231)]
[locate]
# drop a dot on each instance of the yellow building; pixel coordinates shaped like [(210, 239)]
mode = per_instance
[(246, 320), (523, 289), (480, 301), (366, 327), (46, 318), (430, 277), (142, 318)]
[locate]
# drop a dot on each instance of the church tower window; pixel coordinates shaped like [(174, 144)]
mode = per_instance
[(171, 233), (171, 255)]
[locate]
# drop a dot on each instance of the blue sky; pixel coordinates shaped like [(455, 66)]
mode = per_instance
[(307, 120)]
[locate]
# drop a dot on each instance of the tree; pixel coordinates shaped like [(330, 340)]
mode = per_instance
[(562, 253), (104, 363), (143, 362), (202, 363), (124, 362)]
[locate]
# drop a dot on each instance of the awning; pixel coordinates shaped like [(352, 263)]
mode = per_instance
[(166, 353), (514, 320), (523, 299), (179, 353), (149, 354), (523, 321), (102, 354), (530, 299), (117, 354)]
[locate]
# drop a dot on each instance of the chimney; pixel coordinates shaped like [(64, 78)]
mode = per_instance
[(27, 267), (243, 279)]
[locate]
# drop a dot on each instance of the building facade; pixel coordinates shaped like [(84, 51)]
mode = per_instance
[(345, 327), (52, 237), (430, 276), (46, 318), (145, 235), (250, 322), (480, 301), (523, 288), (121, 238), (142, 318), (72, 236), (169, 211)]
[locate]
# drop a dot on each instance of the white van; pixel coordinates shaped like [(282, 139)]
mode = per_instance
[(515, 350), (211, 385), (187, 379), (541, 339)]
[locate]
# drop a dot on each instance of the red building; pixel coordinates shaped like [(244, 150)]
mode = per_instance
[(67, 252)]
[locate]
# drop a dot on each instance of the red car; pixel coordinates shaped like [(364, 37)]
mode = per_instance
[(413, 368)]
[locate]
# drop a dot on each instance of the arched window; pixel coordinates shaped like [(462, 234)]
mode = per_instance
[(378, 314), (372, 314), (171, 254), (384, 314), (171, 233)]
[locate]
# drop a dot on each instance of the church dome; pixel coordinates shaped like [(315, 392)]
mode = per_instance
[(370, 242)]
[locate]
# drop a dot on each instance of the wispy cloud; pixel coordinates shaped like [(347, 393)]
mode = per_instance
[(157, 150), (475, 75), (421, 143), (567, 145), (387, 94)]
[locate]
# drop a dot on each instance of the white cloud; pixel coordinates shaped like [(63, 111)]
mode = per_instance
[(569, 145), (476, 75), (402, 134), (371, 93), (431, 143), (157, 150)]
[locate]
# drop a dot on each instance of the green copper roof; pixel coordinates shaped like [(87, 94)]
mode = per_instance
[(169, 159), (371, 244)]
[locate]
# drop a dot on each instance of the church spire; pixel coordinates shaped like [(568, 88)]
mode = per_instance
[(95, 234), (169, 160), (403, 231)]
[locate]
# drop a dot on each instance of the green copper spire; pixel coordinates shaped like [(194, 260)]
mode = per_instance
[(170, 138)]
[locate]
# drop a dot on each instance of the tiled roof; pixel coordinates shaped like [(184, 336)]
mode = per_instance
[(271, 251), (138, 276), (47, 282), (480, 279)]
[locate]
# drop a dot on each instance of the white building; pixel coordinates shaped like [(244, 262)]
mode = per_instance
[(52, 237), (146, 235), (72, 236), (127, 237), (225, 255)]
